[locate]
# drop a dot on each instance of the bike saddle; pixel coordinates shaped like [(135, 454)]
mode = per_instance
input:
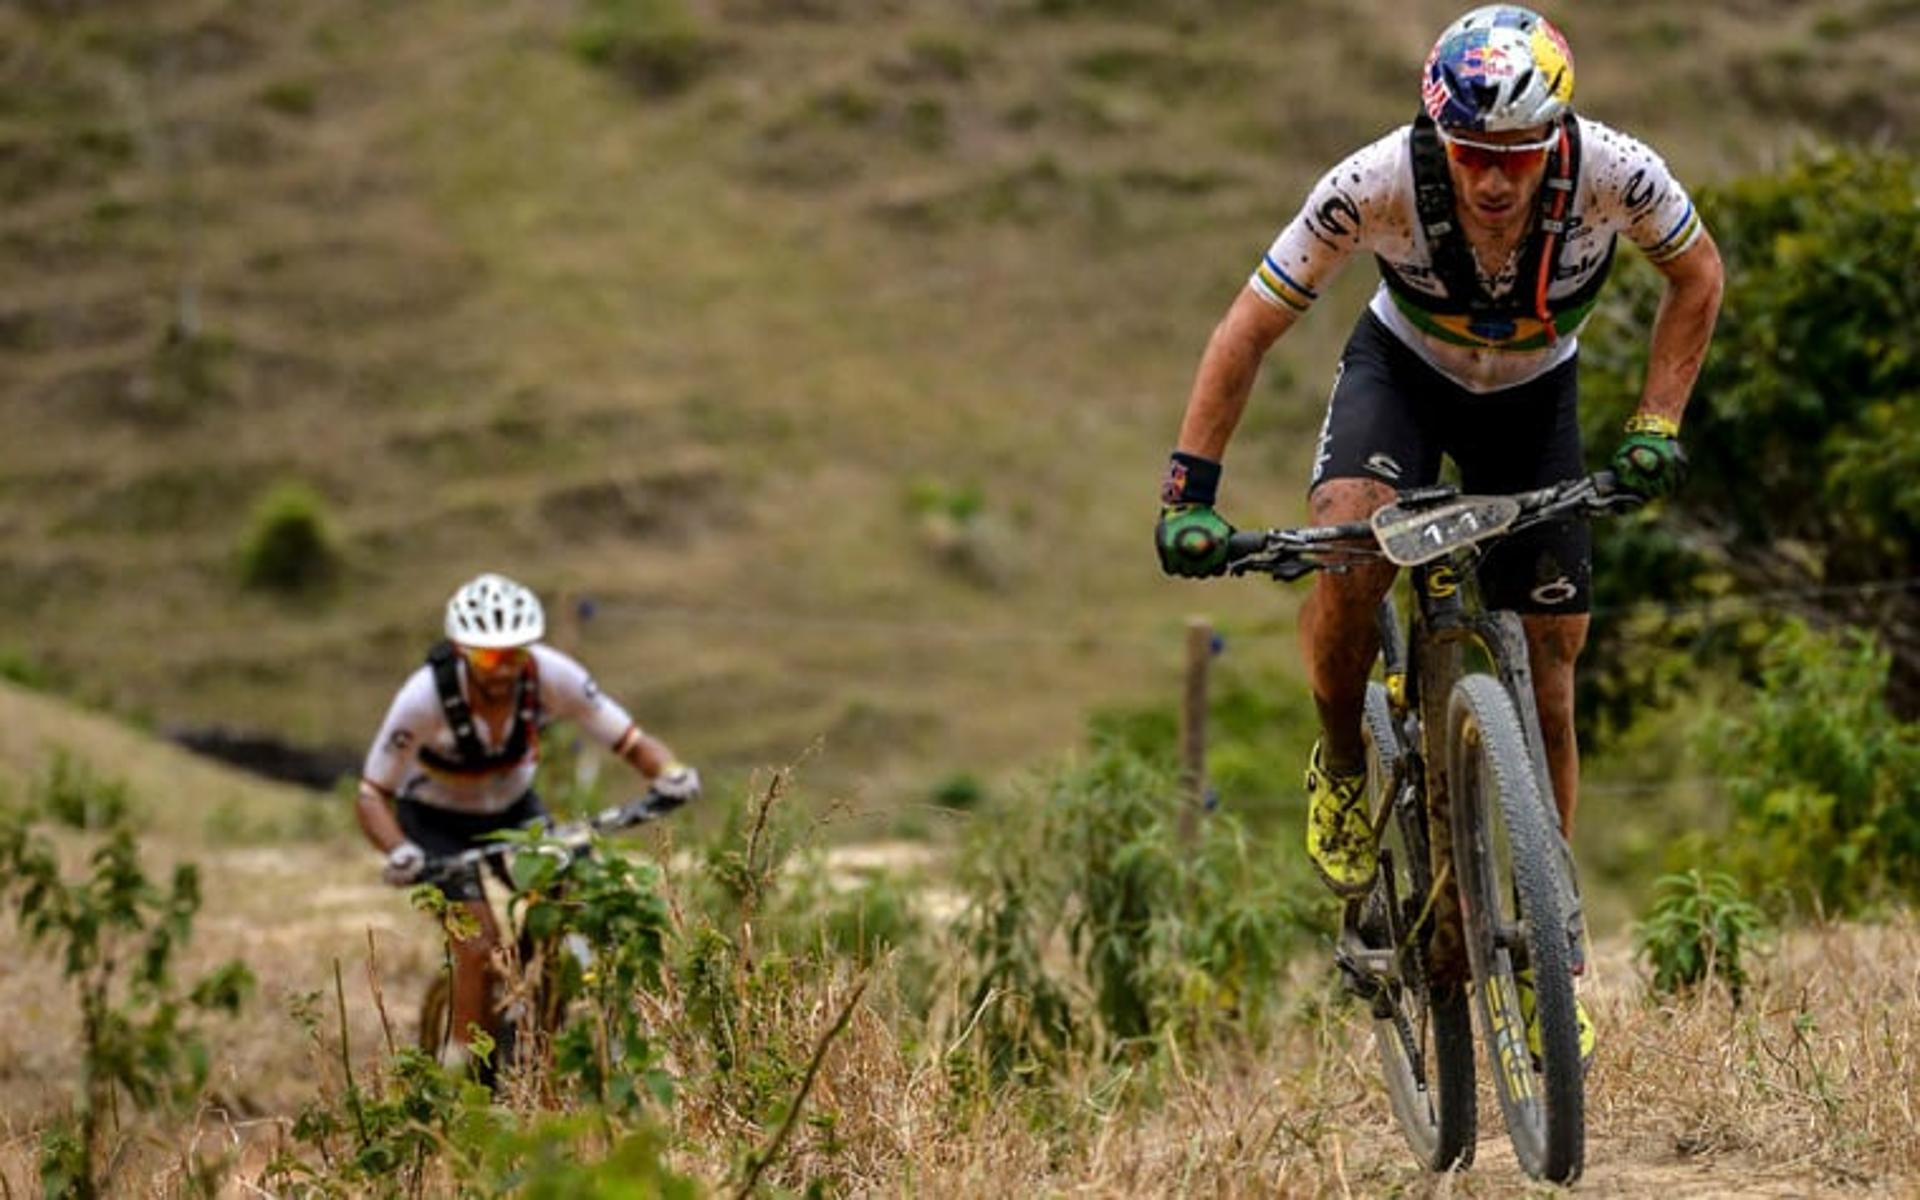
[(1414, 499)]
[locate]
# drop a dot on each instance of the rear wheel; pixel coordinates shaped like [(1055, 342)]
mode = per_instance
[(1421, 1030), (1515, 921)]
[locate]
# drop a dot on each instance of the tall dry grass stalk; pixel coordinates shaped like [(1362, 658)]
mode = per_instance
[(1810, 1087)]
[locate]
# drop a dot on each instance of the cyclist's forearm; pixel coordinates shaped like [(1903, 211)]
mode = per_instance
[(1227, 370), (645, 754), (377, 821), (1682, 328)]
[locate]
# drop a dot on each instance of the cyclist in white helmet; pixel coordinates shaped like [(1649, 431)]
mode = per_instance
[(1493, 219), (456, 756)]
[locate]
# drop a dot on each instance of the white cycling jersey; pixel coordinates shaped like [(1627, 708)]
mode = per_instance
[(567, 693), (1367, 203)]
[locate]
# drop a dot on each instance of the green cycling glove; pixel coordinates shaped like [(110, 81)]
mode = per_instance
[(1650, 461), (1190, 536), (1192, 540)]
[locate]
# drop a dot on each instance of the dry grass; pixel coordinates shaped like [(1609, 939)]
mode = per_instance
[(1809, 1089)]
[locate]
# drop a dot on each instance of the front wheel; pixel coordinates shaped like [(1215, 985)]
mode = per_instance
[(1421, 1029), (435, 1007), (1515, 922)]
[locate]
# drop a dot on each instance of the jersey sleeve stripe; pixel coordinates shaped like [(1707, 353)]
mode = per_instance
[(1678, 238), (1273, 283)]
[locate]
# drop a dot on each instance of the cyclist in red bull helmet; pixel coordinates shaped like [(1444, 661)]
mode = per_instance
[(455, 759), (1493, 219)]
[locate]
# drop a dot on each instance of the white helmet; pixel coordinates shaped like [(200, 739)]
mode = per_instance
[(493, 612), (1498, 67)]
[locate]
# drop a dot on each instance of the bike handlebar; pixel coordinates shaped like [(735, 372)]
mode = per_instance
[(1290, 554), (570, 838)]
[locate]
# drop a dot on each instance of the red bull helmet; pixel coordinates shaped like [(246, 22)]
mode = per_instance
[(1498, 67)]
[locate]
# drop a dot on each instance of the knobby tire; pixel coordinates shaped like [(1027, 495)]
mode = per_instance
[(1514, 917), (1435, 1106)]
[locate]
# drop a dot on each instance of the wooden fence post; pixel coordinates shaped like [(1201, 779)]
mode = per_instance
[(1193, 729)]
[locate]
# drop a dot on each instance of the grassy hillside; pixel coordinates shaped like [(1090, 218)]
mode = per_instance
[(831, 348)]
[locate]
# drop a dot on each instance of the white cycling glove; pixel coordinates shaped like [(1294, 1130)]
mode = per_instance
[(677, 784), (404, 864)]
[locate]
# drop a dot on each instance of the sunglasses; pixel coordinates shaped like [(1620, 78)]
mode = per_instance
[(489, 660), (1512, 157)]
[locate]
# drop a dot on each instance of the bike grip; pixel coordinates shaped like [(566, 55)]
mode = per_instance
[(1605, 483), (1245, 542)]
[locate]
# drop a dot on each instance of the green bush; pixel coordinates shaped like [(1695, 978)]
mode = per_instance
[(22, 666), (961, 792), (1699, 927), (657, 46), (289, 546), (1822, 775), (117, 934), (74, 794), (1161, 939), (1804, 432)]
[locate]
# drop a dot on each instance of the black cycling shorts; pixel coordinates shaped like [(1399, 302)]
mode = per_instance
[(1391, 417), (442, 832)]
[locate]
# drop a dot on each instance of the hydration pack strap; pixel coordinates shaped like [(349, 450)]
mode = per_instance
[(471, 753), (445, 661), (1435, 208), (1556, 191)]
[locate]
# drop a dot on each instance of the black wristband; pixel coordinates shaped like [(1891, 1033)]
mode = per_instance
[(1190, 480)]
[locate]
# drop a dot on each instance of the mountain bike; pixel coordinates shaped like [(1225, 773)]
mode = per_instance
[(1475, 884), (544, 969)]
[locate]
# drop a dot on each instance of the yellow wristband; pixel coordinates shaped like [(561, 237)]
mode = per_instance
[(1653, 423)]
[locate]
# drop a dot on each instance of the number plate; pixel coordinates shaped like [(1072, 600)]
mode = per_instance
[(1412, 538)]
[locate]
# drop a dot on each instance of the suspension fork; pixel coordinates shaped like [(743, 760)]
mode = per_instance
[(1505, 640)]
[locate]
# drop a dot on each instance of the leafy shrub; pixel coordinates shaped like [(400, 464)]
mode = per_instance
[(657, 46), (117, 934), (1159, 939), (74, 794), (1804, 433), (1822, 775), (1699, 928), (23, 667), (289, 546), (289, 97), (961, 792)]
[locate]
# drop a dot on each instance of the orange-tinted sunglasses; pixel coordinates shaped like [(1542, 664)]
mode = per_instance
[(1511, 157), (490, 660)]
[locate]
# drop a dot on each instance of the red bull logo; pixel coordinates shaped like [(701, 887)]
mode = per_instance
[(1485, 64)]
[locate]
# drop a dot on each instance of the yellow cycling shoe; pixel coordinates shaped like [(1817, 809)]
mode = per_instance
[(1523, 983), (1339, 828)]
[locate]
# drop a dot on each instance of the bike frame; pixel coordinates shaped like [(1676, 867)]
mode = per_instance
[(1441, 626)]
